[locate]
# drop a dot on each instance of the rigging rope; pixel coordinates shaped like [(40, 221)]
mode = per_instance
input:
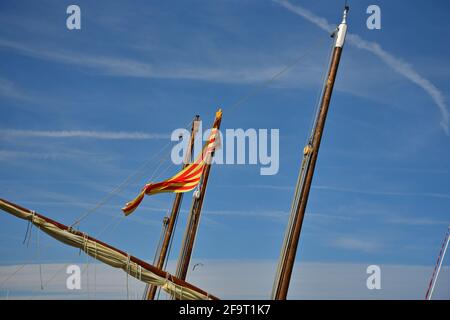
[(234, 105), (26, 232), (14, 273), (278, 74), (64, 266), (138, 172), (97, 206), (29, 234), (124, 183), (322, 88), (262, 86), (301, 176)]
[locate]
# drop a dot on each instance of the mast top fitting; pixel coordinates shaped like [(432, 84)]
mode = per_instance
[(344, 16)]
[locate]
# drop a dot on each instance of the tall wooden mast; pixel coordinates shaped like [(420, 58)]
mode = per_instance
[(311, 151), (194, 215), (169, 222)]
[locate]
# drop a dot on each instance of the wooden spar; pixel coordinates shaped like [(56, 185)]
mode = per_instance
[(56, 229), (194, 215), (311, 151), (151, 290)]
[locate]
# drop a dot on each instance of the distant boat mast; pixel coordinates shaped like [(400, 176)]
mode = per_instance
[(438, 265), (311, 151)]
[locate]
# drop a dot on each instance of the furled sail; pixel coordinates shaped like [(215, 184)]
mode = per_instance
[(184, 181), (111, 256)]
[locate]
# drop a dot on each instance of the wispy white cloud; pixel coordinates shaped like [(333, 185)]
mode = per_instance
[(116, 66), (54, 155), (397, 64), (277, 214), (104, 135), (243, 72), (270, 186), (408, 72), (351, 190), (120, 66), (10, 155), (308, 15)]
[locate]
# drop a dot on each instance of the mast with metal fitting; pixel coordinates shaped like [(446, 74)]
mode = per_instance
[(311, 151)]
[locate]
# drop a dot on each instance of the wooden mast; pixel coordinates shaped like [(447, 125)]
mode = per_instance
[(311, 151), (194, 215), (169, 222)]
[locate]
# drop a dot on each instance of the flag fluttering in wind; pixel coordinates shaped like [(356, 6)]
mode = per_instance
[(184, 181)]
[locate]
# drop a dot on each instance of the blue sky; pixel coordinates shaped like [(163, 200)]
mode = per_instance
[(136, 71)]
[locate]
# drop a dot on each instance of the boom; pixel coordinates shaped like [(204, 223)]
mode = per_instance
[(110, 255)]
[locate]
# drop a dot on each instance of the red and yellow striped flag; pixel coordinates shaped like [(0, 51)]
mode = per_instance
[(184, 181)]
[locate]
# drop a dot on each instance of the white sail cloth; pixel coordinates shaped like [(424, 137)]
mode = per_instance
[(109, 255)]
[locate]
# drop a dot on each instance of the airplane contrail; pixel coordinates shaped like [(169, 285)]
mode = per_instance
[(397, 64), (105, 135)]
